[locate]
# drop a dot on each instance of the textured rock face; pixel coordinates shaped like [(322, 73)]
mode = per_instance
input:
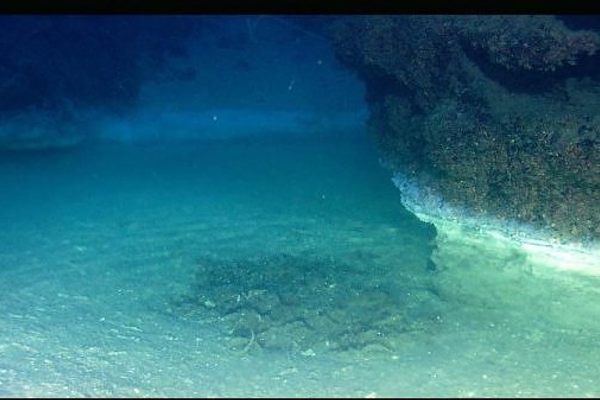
[(496, 114)]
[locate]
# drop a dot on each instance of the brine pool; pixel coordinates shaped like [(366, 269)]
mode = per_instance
[(266, 268)]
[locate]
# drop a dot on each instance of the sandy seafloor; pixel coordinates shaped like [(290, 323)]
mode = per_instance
[(100, 250)]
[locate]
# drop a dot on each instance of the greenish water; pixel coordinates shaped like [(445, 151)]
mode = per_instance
[(265, 268)]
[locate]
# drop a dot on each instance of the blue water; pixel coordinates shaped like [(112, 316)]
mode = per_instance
[(264, 252)]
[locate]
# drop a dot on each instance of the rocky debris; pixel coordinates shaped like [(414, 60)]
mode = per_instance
[(306, 305)]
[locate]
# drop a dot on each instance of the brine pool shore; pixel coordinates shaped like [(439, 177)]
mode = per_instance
[(493, 234)]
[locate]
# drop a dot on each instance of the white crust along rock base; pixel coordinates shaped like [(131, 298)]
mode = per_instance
[(494, 237)]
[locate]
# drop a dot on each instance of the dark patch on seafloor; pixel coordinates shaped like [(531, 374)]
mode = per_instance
[(309, 305)]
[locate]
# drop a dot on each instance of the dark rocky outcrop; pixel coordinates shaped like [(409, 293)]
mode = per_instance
[(498, 114)]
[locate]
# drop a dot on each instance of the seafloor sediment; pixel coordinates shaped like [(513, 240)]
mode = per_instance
[(496, 115), (121, 268)]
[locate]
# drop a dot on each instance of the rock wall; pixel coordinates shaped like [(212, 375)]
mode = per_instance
[(495, 114)]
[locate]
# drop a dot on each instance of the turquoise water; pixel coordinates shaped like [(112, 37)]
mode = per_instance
[(265, 268)]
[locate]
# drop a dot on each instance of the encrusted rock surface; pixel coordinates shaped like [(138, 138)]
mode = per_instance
[(496, 114)]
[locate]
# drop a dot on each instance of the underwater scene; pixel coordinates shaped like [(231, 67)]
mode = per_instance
[(300, 206)]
